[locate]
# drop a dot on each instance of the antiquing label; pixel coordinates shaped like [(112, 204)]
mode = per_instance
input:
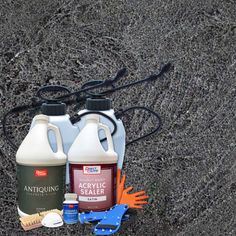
[(40, 188), (94, 185)]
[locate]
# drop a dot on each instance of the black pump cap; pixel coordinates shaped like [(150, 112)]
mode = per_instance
[(53, 109), (98, 104)]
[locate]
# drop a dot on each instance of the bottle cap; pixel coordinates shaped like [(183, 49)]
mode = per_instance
[(53, 109), (71, 196), (98, 104)]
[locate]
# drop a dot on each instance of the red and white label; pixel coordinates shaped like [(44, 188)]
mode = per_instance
[(40, 173), (92, 170), (94, 186)]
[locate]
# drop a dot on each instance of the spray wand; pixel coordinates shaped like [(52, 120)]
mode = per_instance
[(87, 89)]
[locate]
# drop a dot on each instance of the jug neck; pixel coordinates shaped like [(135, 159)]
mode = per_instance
[(41, 119), (92, 119)]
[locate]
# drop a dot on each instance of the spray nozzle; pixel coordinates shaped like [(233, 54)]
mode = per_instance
[(121, 73), (103, 83)]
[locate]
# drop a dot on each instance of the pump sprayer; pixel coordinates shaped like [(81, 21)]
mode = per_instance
[(79, 99)]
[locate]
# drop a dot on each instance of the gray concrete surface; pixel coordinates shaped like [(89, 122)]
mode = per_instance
[(189, 168)]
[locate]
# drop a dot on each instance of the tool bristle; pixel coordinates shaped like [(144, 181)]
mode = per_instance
[(34, 221)]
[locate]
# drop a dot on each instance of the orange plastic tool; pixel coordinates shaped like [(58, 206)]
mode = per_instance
[(134, 200)]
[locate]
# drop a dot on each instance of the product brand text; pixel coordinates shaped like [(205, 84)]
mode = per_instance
[(43, 189), (92, 170)]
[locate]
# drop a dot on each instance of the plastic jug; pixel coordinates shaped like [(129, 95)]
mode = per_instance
[(104, 105), (57, 116), (93, 169), (40, 171)]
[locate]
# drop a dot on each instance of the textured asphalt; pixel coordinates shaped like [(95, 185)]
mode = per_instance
[(189, 168)]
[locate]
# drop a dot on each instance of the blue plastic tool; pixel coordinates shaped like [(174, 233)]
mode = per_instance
[(111, 223), (89, 217)]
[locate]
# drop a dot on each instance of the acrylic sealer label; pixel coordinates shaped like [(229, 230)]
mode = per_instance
[(94, 186)]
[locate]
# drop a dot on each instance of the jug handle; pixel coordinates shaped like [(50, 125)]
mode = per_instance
[(108, 135), (58, 137)]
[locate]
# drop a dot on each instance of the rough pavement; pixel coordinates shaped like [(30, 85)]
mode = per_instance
[(189, 169)]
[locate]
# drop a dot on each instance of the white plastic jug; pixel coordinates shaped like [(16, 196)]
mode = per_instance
[(40, 170), (57, 116), (93, 169), (104, 105)]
